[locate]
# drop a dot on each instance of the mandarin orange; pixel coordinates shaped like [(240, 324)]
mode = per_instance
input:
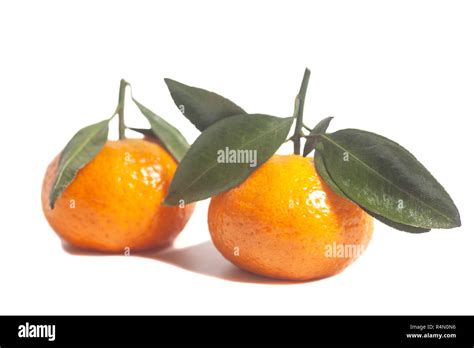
[(285, 222), (114, 202)]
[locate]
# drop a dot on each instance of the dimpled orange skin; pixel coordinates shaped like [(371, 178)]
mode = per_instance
[(115, 200), (282, 221)]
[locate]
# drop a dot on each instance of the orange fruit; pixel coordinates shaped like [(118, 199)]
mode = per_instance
[(285, 222), (114, 202)]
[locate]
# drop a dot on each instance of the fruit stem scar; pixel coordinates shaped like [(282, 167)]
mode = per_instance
[(120, 108), (298, 112)]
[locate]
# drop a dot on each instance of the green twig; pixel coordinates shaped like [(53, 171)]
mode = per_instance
[(120, 108), (298, 113)]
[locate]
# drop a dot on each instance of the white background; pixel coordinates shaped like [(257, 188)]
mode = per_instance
[(404, 69)]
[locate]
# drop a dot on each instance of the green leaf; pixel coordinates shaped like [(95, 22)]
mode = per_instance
[(320, 128), (208, 168), (387, 180), (79, 151), (396, 225), (323, 173), (201, 107), (147, 132), (168, 135)]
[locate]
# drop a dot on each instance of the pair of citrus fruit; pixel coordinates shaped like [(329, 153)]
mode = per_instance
[(282, 222)]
